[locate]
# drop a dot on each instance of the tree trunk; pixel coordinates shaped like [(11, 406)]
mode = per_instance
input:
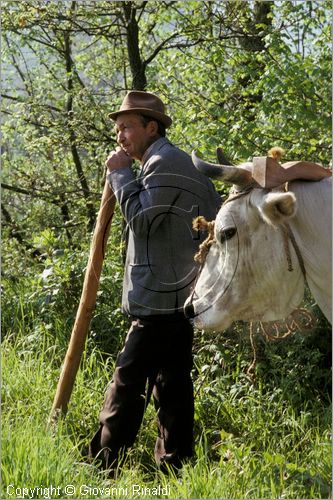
[(72, 135), (138, 67)]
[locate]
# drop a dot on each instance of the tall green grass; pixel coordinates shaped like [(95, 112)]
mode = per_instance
[(251, 442), (262, 437)]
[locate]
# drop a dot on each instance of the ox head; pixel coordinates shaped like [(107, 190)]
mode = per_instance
[(245, 274)]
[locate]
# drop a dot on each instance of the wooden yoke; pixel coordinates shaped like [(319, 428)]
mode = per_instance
[(268, 172), (86, 305)]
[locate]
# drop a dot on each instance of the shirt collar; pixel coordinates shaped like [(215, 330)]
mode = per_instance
[(153, 148)]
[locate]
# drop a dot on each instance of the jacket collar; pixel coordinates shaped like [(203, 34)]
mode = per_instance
[(153, 149)]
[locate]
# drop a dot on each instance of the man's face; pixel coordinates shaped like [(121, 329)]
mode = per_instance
[(133, 136)]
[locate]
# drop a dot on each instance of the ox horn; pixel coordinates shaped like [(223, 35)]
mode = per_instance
[(225, 173), (222, 158)]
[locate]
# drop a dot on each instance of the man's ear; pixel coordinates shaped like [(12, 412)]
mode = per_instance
[(152, 128)]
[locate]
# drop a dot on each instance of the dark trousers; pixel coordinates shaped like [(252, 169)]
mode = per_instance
[(157, 356)]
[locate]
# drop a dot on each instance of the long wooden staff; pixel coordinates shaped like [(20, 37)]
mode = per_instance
[(86, 305)]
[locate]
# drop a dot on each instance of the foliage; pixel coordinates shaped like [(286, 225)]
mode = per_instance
[(251, 76), (244, 75)]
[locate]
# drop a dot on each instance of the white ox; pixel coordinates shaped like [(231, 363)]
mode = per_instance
[(245, 274)]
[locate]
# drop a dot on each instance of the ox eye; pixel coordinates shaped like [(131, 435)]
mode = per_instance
[(227, 234)]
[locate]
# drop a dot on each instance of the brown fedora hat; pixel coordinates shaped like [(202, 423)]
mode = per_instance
[(143, 103)]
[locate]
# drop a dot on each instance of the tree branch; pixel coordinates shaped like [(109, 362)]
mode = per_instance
[(159, 48)]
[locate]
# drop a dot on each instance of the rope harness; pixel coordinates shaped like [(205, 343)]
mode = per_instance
[(289, 236), (200, 224)]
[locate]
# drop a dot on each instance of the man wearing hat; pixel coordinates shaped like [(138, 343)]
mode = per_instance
[(158, 206)]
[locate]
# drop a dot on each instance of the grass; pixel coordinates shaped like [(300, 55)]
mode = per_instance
[(252, 441)]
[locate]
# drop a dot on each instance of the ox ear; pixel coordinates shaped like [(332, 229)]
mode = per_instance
[(276, 208)]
